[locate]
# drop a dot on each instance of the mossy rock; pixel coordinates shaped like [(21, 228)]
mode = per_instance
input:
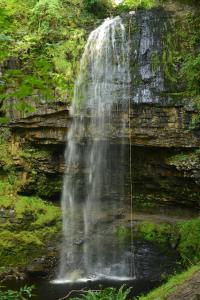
[(183, 235), (25, 234)]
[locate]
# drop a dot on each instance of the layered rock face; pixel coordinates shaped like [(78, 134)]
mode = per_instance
[(151, 125), (157, 124), (165, 156)]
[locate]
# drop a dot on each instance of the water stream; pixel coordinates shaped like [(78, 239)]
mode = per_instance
[(103, 85)]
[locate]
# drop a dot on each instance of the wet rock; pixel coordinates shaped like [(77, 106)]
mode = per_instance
[(3, 216), (37, 268), (12, 274), (12, 216), (78, 242), (44, 266), (151, 125)]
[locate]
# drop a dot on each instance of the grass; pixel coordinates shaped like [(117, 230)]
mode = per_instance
[(172, 284)]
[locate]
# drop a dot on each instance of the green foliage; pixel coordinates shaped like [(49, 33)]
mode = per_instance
[(191, 69), (42, 213), (155, 61), (169, 60), (187, 54), (43, 40), (4, 120), (185, 159), (44, 186), (186, 234), (159, 233), (6, 157), (173, 283), (27, 225), (23, 294), (108, 293), (123, 234), (5, 188), (99, 7), (35, 154), (189, 244), (9, 239), (128, 5)]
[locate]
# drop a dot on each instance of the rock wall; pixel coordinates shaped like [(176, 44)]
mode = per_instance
[(165, 155), (151, 125)]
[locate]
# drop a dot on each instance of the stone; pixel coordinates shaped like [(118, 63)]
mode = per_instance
[(37, 268)]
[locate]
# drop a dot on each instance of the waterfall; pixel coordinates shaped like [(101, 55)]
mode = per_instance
[(90, 248)]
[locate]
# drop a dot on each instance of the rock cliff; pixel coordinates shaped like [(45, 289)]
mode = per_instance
[(159, 121)]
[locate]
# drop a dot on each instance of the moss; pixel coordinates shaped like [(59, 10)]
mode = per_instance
[(23, 245), (189, 244), (6, 156), (34, 182), (159, 233), (47, 187), (123, 234), (169, 61), (42, 212), (29, 223), (185, 159), (128, 5), (155, 61), (32, 153), (51, 217), (5, 187), (185, 235), (10, 182), (170, 287), (145, 200)]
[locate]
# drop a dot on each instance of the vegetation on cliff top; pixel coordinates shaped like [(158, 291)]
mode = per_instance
[(42, 42)]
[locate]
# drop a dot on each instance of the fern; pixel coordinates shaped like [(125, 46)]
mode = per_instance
[(105, 294)]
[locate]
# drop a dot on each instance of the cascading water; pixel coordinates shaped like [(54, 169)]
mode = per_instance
[(90, 248)]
